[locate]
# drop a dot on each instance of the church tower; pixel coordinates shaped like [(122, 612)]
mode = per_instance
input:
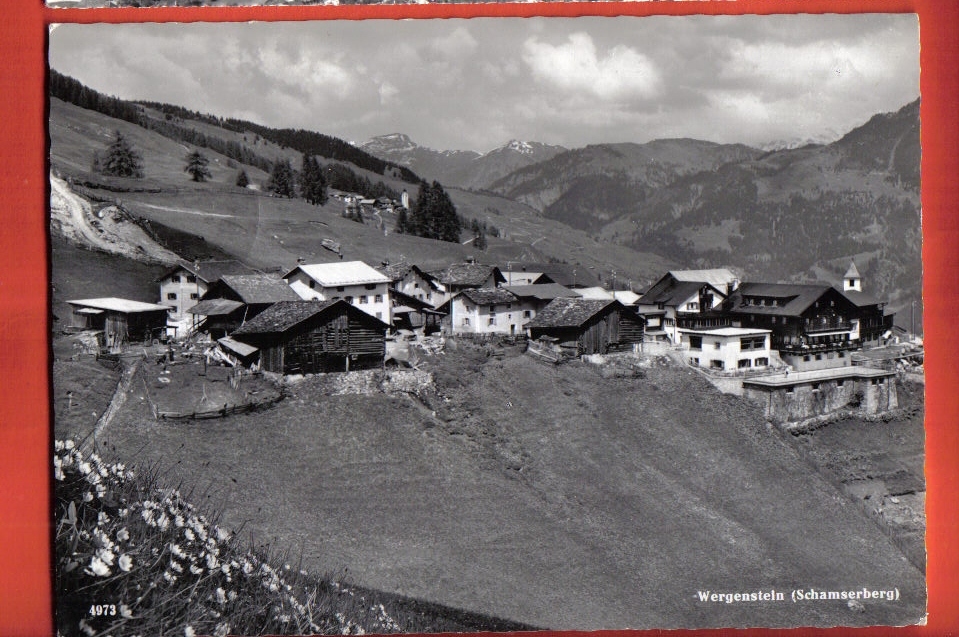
[(852, 281)]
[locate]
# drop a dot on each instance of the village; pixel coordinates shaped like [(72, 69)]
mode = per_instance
[(803, 351)]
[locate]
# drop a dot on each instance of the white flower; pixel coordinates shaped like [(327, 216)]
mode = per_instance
[(211, 562), (88, 497), (123, 535), (125, 611), (68, 444), (58, 445), (188, 631), (85, 468), (220, 596), (125, 563), (222, 534), (196, 570), (222, 630), (169, 577), (123, 513), (102, 519), (163, 522), (176, 566), (98, 567), (107, 556), (176, 550), (231, 595), (189, 535), (179, 521)]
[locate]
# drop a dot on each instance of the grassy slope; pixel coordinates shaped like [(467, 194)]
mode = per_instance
[(272, 233), (590, 503)]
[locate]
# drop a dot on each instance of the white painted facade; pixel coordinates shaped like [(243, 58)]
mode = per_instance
[(181, 290), (506, 318), (353, 281), (727, 349)]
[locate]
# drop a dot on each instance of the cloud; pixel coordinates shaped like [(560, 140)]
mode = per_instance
[(576, 66), (458, 43)]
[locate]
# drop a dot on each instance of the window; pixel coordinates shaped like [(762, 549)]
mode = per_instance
[(694, 361), (527, 314), (815, 386), (339, 288), (370, 286), (762, 361), (364, 300), (692, 306), (717, 364), (312, 284), (807, 358), (841, 354), (194, 296), (175, 278), (416, 285), (492, 320), (840, 382), (818, 357), (695, 342), (348, 299), (379, 298), (752, 342), (466, 321), (745, 362), (717, 345), (429, 296), (789, 390), (190, 278), (171, 296), (492, 309)]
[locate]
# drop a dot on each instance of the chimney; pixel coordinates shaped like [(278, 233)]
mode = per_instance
[(300, 260)]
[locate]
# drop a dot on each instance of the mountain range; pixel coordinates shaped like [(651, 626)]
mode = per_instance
[(461, 168)]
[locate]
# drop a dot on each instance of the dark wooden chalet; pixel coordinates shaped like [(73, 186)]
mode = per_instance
[(235, 299), (590, 326), (308, 337), (801, 317)]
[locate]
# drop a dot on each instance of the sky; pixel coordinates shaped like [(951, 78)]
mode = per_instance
[(477, 83)]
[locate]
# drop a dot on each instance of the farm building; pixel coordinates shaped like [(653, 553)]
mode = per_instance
[(727, 348), (308, 337), (411, 313), (465, 276), (565, 274), (235, 299), (120, 320), (800, 395), (183, 285), (588, 326), (352, 281), (486, 311), (415, 282)]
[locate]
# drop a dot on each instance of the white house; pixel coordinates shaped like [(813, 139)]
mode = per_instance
[(352, 281), (683, 293), (727, 348), (415, 282), (182, 286), (489, 311)]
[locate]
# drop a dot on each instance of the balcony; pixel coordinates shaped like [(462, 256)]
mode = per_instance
[(818, 327), (793, 349)]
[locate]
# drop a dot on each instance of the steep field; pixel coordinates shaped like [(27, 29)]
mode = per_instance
[(271, 233), (550, 496)]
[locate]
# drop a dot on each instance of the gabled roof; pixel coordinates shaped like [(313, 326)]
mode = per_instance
[(210, 271), (626, 297), (114, 304), (595, 292), (565, 274), (673, 293), (489, 296), (860, 299), (395, 271), (468, 274), (852, 272), (285, 315), (570, 312), (716, 277), (796, 297), (399, 298), (259, 288), (340, 273), (282, 316), (214, 307), (540, 291)]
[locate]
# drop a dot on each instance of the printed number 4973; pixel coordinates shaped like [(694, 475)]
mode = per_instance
[(103, 610)]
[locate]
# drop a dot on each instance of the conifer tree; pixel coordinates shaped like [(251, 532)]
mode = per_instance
[(121, 160), (282, 181), (196, 165), (242, 180), (312, 182)]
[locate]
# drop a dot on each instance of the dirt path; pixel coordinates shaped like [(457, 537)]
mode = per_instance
[(72, 216), (116, 404)]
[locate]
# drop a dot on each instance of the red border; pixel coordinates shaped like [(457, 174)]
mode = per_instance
[(25, 601)]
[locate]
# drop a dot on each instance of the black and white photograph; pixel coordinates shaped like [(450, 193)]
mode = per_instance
[(490, 324)]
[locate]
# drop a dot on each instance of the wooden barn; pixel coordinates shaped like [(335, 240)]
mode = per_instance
[(120, 320), (588, 326), (235, 299), (309, 337)]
